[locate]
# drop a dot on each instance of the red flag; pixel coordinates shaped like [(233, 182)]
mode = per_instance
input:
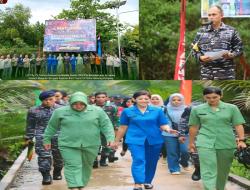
[(186, 91), (180, 75)]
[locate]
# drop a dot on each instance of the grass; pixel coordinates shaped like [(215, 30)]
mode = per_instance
[(239, 169)]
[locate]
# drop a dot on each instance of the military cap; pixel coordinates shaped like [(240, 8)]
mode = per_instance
[(46, 94)]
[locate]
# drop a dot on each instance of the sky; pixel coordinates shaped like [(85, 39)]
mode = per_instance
[(42, 10)]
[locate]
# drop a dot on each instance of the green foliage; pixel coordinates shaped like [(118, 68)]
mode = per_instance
[(2, 173), (130, 40), (160, 32), (15, 20), (12, 125), (16, 149), (239, 170)]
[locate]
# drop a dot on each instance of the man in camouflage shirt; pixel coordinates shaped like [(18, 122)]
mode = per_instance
[(33, 65), (183, 128), (216, 38), (66, 62), (112, 113), (14, 65), (133, 67), (43, 64), (37, 120), (38, 64)]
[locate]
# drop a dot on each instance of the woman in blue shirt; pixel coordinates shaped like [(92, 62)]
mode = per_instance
[(54, 64), (173, 111), (73, 63), (141, 125)]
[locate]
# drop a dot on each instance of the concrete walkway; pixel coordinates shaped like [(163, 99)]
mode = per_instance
[(116, 176)]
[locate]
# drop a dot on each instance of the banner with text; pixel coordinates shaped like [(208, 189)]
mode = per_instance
[(231, 8), (70, 35)]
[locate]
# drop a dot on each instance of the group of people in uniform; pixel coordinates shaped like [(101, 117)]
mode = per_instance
[(75, 128), (94, 64)]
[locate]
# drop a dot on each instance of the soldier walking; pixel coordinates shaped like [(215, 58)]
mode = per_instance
[(37, 120), (112, 113)]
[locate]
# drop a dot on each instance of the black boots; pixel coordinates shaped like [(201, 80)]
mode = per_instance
[(197, 174), (112, 157), (57, 174), (103, 161), (95, 165), (46, 177)]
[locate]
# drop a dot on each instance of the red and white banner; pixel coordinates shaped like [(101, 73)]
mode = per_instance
[(180, 75), (186, 91)]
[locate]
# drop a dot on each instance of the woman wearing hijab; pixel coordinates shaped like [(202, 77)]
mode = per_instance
[(127, 103), (157, 101), (174, 110), (79, 137)]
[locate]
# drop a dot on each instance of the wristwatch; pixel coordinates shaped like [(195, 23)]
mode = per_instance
[(244, 140)]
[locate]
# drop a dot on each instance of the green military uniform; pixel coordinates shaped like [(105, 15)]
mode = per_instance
[(43, 65), (60, 62), (33, 65), (113, 115), (79, 138), (14, 66), (133, 68), (215, 141), (79, 62), (38, 65)]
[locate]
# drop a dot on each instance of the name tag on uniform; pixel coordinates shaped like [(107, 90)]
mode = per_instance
[(133, 116), (202, 114), (67, 115)]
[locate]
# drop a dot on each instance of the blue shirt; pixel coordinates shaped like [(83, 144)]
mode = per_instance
[(49, 60), (54, 61), (143, 126), (73, 61)]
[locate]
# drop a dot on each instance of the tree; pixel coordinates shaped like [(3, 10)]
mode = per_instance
[(130, 40), (106, 24), (15, 20)]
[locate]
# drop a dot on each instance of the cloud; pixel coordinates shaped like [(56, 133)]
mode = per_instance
[(42, 10)]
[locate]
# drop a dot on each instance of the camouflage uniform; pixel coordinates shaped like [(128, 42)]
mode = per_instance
[(43, 65), (183, 128), (133, 68), (37, 120), (225, 38), (112, 113), (66, 61), (33, 66)]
